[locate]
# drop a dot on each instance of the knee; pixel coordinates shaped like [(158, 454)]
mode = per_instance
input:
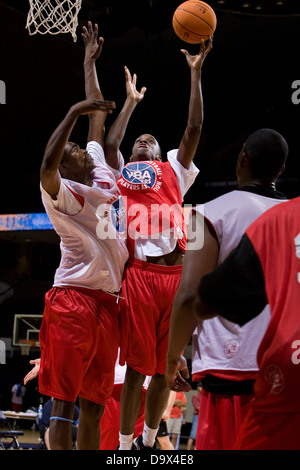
[(133, 378), (90, 411)]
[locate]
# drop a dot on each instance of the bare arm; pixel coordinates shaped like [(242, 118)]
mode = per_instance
[(117, 131), (183, 322), (191, 136), (93, 48), (49, 172)]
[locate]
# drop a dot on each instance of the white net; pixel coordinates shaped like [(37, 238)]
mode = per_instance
[(25, 349), (53, 17)]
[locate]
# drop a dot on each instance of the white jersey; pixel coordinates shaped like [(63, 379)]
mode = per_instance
[(163, 244), (218, 344), (89, 223)]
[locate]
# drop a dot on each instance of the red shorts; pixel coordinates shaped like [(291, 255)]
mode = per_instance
[(268, 431), (110, 421), (220, 419), (79, 341), (149, 290)]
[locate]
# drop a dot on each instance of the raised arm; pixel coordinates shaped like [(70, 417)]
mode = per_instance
[(49, 172), (118, 128), (183, 322), (191, 136), (93, 48)]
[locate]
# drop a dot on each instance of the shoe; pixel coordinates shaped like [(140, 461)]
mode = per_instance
[(138, 444), (132, 447)]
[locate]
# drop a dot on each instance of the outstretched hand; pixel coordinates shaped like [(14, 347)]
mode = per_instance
[(196, 61), (174, 378), (92, 105), (131, 87), (93, 43), (34, 372)]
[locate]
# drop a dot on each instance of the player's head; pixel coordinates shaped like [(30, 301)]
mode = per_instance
[(145, 147), (263, 155), (76, 164)]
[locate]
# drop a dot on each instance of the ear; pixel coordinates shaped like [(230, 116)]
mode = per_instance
[(282, 169), (63, 169), (243, 160)]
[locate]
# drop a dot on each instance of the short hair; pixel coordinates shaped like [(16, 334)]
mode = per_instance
[(267, 151)]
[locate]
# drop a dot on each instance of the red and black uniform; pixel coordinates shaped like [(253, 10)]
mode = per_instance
[(264, 268)]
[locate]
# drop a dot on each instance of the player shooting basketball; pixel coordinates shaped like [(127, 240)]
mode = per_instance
[(154, 269)]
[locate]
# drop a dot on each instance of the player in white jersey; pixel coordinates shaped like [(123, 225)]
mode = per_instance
[(154, 269), (224, 354), (79, 335)]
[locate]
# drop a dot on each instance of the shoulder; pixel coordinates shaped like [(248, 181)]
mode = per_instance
[(172, 159)]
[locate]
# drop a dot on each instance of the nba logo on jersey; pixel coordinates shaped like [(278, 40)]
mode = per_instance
[(118, 215), (140, 173)]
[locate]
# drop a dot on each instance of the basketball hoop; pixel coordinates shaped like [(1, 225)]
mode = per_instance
[(25, 345), (53, 17)]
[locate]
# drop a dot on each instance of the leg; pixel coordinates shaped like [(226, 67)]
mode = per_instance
[(131, 398), (88, 434), (174, 439), (46, 439), (60, 431), (156, 400), (190, 443), (165, 443)]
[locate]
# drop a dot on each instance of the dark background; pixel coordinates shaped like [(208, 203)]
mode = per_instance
[(247, 84)]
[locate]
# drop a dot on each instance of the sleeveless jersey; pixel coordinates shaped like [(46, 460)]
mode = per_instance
[(219, 346), (153, 199), (93, 245), (276, 240)]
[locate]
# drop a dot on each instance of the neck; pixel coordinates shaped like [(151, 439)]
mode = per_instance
[(260, 183)]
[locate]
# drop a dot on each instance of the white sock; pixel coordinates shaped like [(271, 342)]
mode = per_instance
[(149, 436), (125, 441)]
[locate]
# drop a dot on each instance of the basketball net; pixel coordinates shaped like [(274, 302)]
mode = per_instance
[(25, 345), (53, 17)]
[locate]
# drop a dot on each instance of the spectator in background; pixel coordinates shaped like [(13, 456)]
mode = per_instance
[(18, 391), (162, 435), (196, 403), (177, 418)]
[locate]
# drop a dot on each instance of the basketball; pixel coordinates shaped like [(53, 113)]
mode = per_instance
[(193, 21)]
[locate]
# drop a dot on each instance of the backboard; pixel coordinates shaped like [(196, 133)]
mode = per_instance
[(26, 330)]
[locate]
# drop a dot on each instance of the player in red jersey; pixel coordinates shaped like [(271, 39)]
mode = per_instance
[(156, 250), (265, 268)]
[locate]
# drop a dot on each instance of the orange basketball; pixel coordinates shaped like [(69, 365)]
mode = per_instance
[(193, 21)]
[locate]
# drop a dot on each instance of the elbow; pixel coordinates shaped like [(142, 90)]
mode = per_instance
[(201, 310), (194, 130), (185, 300)]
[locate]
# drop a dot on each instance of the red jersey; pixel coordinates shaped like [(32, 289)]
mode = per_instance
[(177, 410), (265, 268), (154, 202), (276, 240)]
